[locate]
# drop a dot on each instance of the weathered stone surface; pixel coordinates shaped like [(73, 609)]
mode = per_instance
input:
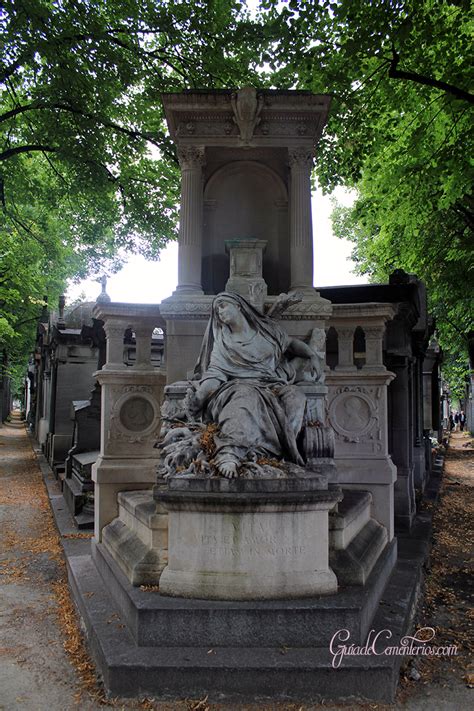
[(138, 539), (354, 564), (248, 545), (156, 620)]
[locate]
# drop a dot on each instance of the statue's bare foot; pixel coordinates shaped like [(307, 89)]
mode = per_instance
[(229, 470)]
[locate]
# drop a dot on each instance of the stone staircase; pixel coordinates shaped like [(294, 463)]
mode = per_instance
[(138, 538), (356, 540)]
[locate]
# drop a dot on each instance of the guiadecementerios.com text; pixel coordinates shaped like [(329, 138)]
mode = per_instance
[(376, 645)]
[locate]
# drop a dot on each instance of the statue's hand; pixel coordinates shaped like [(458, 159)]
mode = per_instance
[(316, 368), (192, 403)]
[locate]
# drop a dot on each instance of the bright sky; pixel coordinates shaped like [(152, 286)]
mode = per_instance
[(150, 282)]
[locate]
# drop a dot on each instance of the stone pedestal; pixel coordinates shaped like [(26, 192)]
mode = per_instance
[(130, 410), (246, 270), (358, 409), (247, 540)]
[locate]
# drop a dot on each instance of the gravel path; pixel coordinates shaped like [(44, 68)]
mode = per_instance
[(44, 664)]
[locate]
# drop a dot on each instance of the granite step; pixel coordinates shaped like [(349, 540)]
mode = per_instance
[(153, 619), (235, 673), (352, 514)]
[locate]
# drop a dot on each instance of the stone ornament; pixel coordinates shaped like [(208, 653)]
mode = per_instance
[(191, 157), (352, 414), (243, 414), (300, 159), (135, 416), (247, 106)]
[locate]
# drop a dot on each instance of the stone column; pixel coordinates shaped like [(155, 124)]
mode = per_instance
[(345, 342), (143, 336), (301, 230), (400, 444), (191, 160), (114, 331), (374, 346)]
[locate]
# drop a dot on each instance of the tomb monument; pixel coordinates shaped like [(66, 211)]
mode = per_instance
[(237, 533)]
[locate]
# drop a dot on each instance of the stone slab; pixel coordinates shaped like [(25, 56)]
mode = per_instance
[(354, 564), (154, 619), (240, 674)]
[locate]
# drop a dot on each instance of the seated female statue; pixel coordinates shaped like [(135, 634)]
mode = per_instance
[(246, 385)]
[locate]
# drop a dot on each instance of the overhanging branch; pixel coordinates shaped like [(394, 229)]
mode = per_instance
[(29, 148), (395, 73)]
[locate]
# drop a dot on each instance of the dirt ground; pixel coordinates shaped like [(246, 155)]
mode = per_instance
[(44, 664)]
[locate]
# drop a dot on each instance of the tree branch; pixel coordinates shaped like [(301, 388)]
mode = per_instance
[(26, 149), (395, 73), (35, 106)]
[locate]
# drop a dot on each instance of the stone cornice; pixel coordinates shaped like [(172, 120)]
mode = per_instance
[(208, 117), (131, 313)]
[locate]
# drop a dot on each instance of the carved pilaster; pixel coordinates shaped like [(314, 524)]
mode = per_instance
[(345, 336), (373, 346), (114, 330), (143, 336), (301, 231), (191, 160)]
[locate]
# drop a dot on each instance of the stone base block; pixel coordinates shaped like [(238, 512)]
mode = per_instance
[(249, 586), (141, 565), (354, 564), (266, 672), (246, 545), (160, 621), (138, 539)]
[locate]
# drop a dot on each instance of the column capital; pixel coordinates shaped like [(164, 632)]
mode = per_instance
[(345, 332), (114, 328), (191, 157), (300, 158)]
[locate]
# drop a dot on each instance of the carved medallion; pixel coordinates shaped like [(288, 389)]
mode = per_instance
[(352, 415), (136, 414)]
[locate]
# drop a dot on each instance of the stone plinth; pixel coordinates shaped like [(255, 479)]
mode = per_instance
[(130, 409), (246, 270), (358, 408), (247, 540)]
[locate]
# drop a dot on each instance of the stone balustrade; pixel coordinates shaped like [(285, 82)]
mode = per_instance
[(357, 403), (130, 414)]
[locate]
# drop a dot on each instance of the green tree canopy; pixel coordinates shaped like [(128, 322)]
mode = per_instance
[(399, 132), (86, 167)]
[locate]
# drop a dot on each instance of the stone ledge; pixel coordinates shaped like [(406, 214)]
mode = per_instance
[(352, 514), (140, 505), (153, 619), (265, 673), (354, 564), (247, 502)]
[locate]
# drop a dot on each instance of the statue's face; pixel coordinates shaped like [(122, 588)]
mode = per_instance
[(227, 311)]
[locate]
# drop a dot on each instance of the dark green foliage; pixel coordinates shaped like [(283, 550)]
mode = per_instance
[(86, 168), (400, 132)]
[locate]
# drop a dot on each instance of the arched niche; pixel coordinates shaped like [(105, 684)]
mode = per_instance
[(359, 347), (332, 348), (245, 199)]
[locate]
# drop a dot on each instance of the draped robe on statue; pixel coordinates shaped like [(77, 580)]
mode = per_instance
[(257, 408)]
